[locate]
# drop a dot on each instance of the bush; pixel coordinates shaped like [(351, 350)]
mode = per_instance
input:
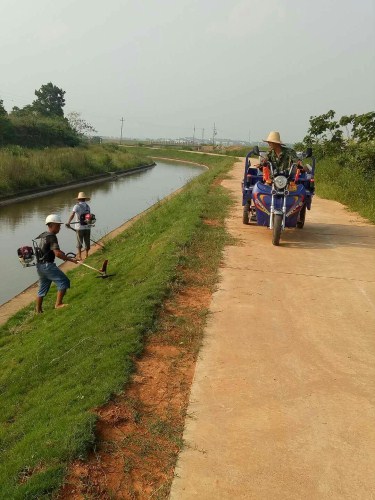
[(23, 169), (6, 131), (349, 179), (360, 157), (110, 146), (31, 131)]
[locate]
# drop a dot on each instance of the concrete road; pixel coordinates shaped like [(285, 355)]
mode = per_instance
[(282, 404)]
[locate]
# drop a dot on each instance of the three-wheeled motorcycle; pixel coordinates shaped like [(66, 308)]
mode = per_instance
[(281, 200)]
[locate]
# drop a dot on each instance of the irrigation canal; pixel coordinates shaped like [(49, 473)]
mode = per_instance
[(113, 202)]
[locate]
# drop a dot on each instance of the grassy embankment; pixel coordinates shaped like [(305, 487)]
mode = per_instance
[(346, 185), (23, 169), (56, 367)]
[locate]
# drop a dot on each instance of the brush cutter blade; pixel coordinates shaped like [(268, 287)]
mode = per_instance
[(104, 267), (103, 271)]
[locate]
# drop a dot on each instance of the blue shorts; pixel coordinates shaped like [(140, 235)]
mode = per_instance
[(49, 272)]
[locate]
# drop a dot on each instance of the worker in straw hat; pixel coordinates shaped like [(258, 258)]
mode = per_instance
[(81, 213), (280, 155)]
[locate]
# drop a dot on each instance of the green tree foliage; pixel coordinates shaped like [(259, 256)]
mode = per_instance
[(3, 111), (324, 129), (6, 128), (356, 153), (41, 131), (364, 127), (25, 111), (299, 146), (50, 100), (39, 124), (326, 135), (347, 122), (360, 157)]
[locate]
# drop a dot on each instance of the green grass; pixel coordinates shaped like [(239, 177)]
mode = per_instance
[(24, 169), (56, 367), (240, 151), (346, 185)]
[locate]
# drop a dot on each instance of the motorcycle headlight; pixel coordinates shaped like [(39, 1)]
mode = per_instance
[(280, 182)]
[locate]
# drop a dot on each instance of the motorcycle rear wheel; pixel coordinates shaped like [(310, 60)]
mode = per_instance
[(301, 217), (245, 215), (277, 223)]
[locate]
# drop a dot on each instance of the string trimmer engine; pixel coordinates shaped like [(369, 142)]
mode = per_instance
[(26, 256), (87, 220)]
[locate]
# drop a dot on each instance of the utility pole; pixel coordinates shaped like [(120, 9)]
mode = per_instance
[(249, 138), (202, 135), (122, 124), (213, 135), (194, 135)]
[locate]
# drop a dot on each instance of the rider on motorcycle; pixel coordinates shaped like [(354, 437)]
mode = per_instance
[(280, 156)]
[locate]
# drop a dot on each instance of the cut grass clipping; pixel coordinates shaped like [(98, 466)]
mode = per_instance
[(58, 366)]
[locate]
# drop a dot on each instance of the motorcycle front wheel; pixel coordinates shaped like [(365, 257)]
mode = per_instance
[(277, 223)]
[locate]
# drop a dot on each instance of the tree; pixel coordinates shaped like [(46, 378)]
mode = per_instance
[(79, 125), (50, 101), (346, 121), (6, 128), (320, 125), (3, 111), (361, 128), (364, 127)]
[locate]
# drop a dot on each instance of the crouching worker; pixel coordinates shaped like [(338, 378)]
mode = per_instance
[(47, 270)]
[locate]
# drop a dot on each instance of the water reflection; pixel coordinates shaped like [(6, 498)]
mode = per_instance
[(113, 202), (19, 213)]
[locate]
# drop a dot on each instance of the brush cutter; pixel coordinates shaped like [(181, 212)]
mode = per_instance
[(75, 230), (102, 271)]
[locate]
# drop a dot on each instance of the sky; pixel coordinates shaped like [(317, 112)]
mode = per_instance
[(165, 66)]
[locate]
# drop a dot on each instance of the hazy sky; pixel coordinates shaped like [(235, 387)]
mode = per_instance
[(250, 66)]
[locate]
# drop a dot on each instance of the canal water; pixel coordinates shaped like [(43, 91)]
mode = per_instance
[(113, 202)]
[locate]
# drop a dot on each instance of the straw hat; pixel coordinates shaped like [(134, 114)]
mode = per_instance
[(273, 137), (81, 196)]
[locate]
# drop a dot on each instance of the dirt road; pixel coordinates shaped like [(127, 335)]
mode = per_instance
[(282, 405)]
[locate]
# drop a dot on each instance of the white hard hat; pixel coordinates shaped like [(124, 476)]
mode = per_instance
[(56, 219)]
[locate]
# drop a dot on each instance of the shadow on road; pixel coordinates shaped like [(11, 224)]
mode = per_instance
[(318, 235)]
